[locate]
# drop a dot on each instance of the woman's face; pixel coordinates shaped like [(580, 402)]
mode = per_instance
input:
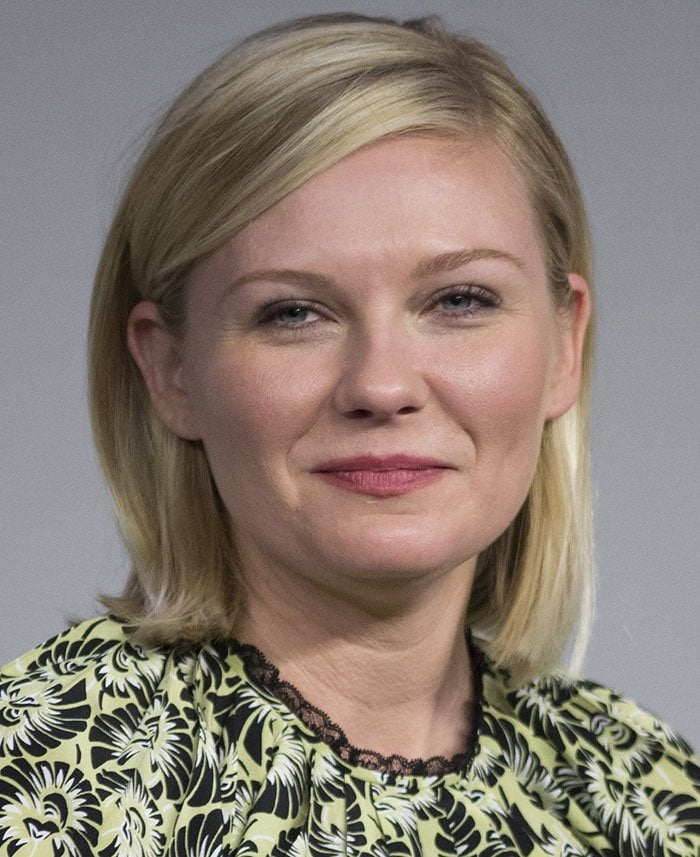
[(370, 364)]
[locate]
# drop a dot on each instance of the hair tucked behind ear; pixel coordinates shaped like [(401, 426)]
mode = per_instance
[(264, 118)]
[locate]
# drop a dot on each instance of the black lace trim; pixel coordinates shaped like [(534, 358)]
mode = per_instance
[(266, 674)]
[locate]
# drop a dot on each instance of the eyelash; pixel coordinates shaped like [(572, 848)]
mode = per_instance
[(486, 299), (270, 314)]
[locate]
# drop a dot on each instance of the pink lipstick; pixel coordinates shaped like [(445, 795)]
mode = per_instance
[(382, 476)]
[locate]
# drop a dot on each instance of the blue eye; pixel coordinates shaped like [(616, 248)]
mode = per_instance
[(458, 301), (466, 300), (287, 314)]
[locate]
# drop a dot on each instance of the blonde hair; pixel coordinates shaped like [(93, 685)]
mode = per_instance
[(263, 119)]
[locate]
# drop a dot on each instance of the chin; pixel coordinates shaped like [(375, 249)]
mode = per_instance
[(401, 556)]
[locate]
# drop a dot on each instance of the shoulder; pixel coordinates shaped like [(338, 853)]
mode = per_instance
[(98, 651), (588, 719), (571, 711), (83, 643), (603, 760), (103, 740), (51, 695)]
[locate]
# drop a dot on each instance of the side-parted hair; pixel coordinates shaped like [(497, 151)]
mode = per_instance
[(263, 119)]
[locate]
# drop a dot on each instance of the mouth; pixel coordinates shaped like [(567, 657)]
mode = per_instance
[(382, 476)]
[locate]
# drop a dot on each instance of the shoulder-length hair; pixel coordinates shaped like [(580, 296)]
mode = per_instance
[(263, 119)]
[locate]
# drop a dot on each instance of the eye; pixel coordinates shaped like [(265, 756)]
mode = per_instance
[(286, 314), (464, 300)]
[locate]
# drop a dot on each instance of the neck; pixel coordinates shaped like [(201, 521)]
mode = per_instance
[(397, 681)]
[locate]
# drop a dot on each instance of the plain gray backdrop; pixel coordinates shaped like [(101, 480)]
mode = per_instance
[(80, 83)]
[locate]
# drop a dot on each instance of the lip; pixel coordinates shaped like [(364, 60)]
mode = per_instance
[(382, 476), (381, 463)]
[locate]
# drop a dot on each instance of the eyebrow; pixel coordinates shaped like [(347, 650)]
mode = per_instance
[(281, 275), (440, 264), (449, 261)]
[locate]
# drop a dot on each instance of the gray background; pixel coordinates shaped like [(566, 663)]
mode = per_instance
[(79, 83)]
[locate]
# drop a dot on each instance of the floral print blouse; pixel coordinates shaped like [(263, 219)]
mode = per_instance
[(107, 748)]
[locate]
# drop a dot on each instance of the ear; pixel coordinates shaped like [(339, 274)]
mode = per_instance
[(566, 378), (158, 354)]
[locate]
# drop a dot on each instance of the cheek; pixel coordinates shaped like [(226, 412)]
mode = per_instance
[(499, 391), (500, 405), (249, 409)]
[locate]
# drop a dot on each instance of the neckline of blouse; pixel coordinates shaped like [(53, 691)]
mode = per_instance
[(266, 675)]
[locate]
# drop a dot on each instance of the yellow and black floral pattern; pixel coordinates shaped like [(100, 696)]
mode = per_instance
[(113, 750)]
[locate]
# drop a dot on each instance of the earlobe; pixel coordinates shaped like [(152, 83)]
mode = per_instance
[(567, 374), (157, 353)]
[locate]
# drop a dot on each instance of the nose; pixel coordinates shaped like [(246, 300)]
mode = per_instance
[(381, 378)]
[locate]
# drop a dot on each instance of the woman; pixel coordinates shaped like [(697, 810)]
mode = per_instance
[(340, 353)]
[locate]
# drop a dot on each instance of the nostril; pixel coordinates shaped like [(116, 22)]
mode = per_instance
[(367, 413)]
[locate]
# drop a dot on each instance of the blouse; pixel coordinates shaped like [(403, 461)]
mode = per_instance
[(110, 748)]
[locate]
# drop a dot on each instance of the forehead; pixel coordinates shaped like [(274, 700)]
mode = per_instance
[(392, 199)]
